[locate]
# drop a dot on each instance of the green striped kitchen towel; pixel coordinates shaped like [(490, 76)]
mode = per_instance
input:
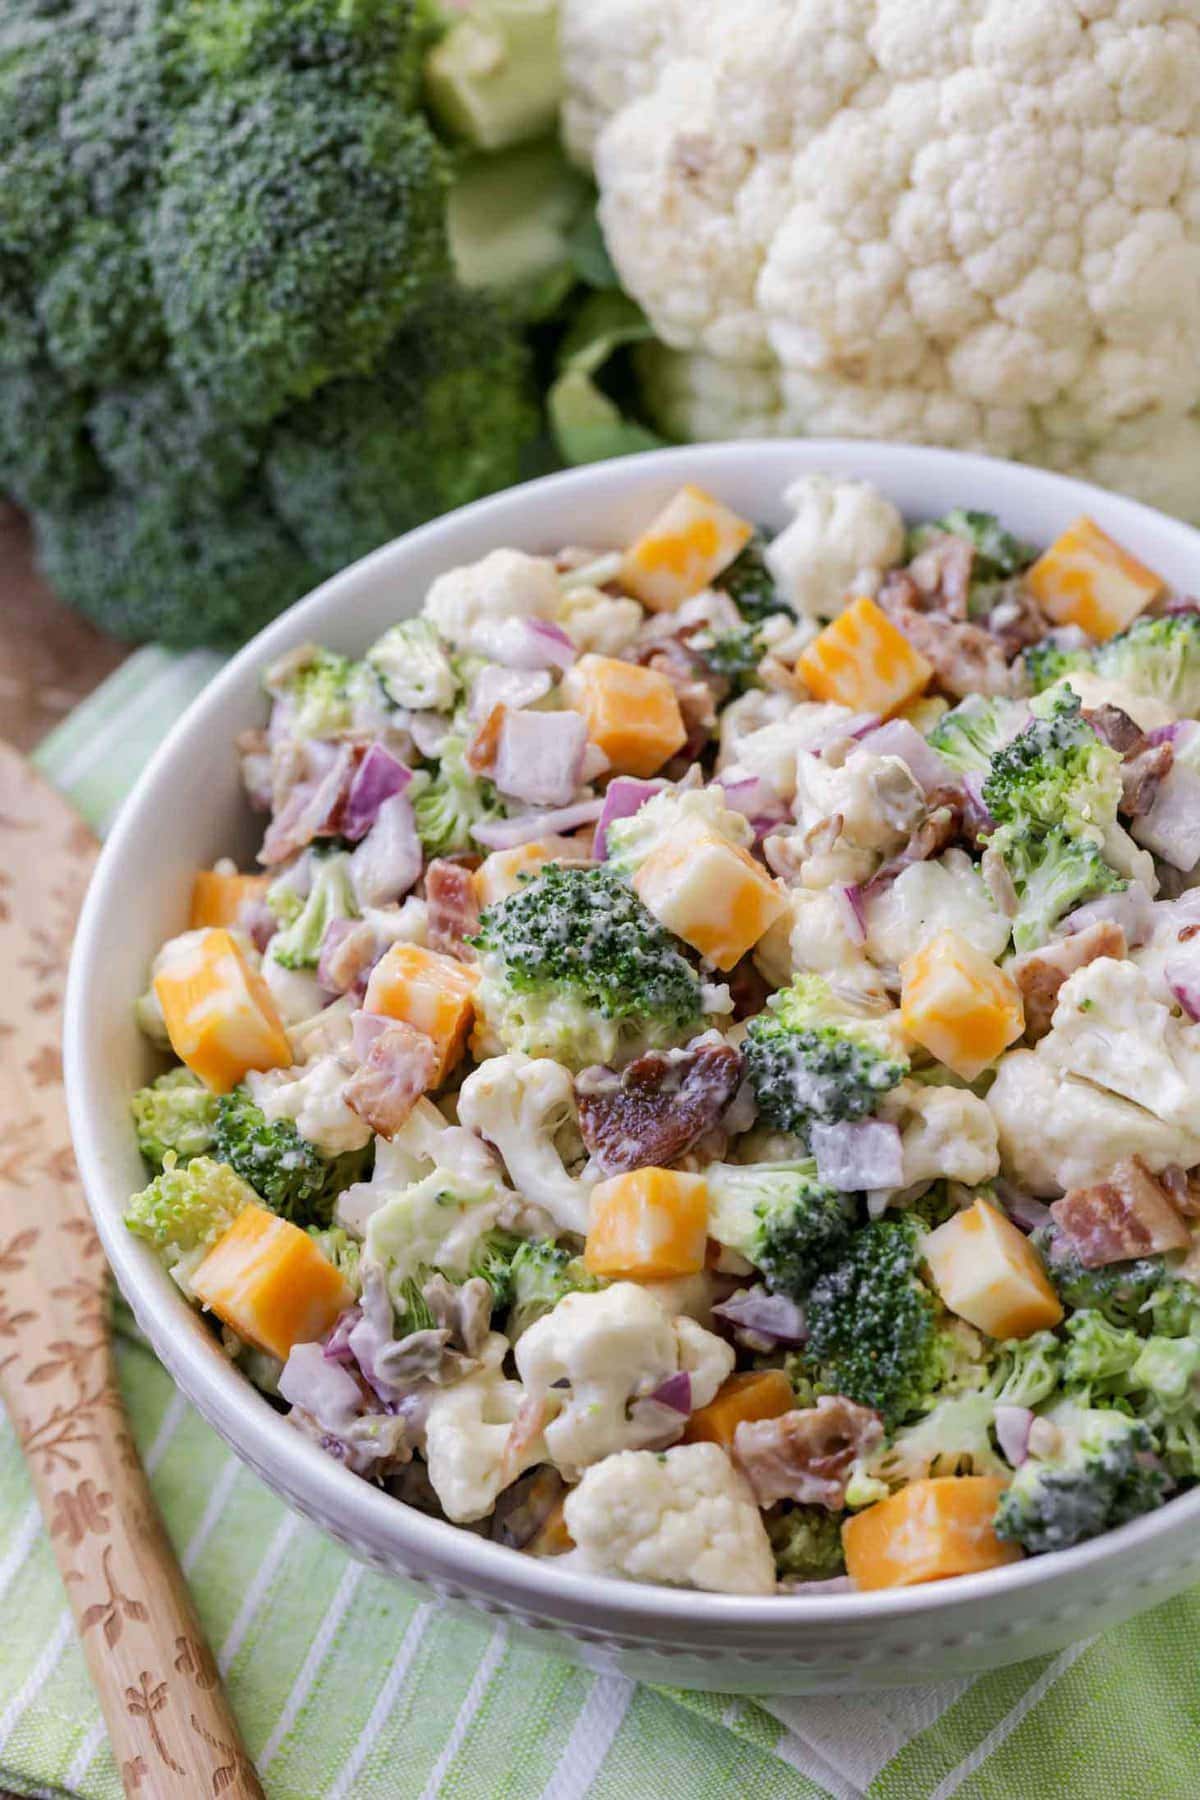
[(347, 1685)]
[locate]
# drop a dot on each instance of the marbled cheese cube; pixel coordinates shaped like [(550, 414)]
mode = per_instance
[(632, 713), (988, 1273), (432, 993), (1086, 579), (218, 1011), (689, 542), (711, 893), (957, 1004), (647, 1225), (864, 662)]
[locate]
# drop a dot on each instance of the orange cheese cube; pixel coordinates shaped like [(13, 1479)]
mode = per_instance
[(689, 542), (218, 1011), (647, 1224), (218, 899), (1086, 579), (756, 1394), (269, 1281), (432, 993), (927, 1531), (989, 1273), (552, 1537), (632, 713), (711, 893), (958, 1004), (864, 662), (504, 871)]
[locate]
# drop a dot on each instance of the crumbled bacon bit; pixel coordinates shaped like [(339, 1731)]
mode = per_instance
[(1129, 1215), (807, 1455), (396, 1071), (1016, 620), (1115, 728), (480, 754), (1142, 776), (658, 1108), (1040, 973), (965, 658), (453, 908)]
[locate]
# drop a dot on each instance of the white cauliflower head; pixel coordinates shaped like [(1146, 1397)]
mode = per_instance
[(771, 750), (685, 1517), (525, 1106), (842, 537), (1111, 1030), (970, 223), (471, 1449), (466, 604), (946, 1133), (598, 623), (947, 892)]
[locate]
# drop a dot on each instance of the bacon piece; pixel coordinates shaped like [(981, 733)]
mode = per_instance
[(453, 908), (747, 989), (807, 1455), (1040, 973), (1183, 1189), (941, 574), (965, 658), (533, 1415), (1016, 620), (315, 801), (658, 1108), (1142, 776), (349, 950), (1115, 728), (481, 751), (1127, 1216), (397, 1069)]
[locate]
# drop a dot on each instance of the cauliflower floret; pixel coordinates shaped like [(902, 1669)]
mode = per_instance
[(689, 1296), (1109, 1029), (1057, 1132), (772, 750), (296, 992), (843, 535), (312, 1097), (437, 1221), (676, 810), (685, 1517), (525, 1106), (945, 1133), (466, 604), (599, 623), (742, 717), (604, 1351), (471, 1450), (929, 897), (877, 798), (813, 936)]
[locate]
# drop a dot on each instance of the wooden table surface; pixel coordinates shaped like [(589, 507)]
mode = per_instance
[(50, 658)]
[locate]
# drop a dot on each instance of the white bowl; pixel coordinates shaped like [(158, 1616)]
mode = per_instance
[(187, 810)]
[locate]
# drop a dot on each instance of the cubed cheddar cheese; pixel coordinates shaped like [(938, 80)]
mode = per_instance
[(753, 1394), (864, 662), (1086, 579), (432, 993), (957, 1004), (632, 713), (926, 1532), (268, 1280), (218, 899), (552, 1537), (684, 547), (646, 1225), (710, 893), (988, 1273), (504, 871), (218, 1011)]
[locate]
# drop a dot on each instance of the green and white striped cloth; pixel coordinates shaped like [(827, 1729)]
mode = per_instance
[(346, 1685)]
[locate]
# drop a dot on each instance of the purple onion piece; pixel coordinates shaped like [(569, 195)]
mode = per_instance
[(853, 911), (320, 1386), (1132, 909), (675, 1391), (337, 1345), (1013, 1425), (524, 644), (856, 1155), (624, 796), (539, 756), (379, 775), (389, 859), (525, 828), (1025, 1212), (556, 647), (1183, 979), (752, 796), (772, 1316)]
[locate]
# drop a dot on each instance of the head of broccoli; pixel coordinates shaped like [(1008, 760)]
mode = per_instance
[(574, 967), (1098, 1354), (1102, 1473), (1052, 874), (413, 667), (540, 1274), (455, 801), (330, 896), (1144, 1295), (1056, 774), (809, 1058), (1049, 661), (806, 1542), (290, 1175), (186, 1209), (175, 1115), (970, 734), (1160, 657), (781, 1217)]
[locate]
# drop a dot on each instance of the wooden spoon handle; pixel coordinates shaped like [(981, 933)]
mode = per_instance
[(168, 1719)]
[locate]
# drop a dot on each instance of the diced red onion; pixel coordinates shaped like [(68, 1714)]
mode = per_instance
[(365, 1027), (675, 1391), (336, 932), (1132, 909), (1182, 976), (977, 820), (772, 1316), (858, 1154), (321, 1387), (259, 923), (498, 686), (900, 738), (1012, 1433), (556, 647), (1167, 734), (624, 796), (853, 911), (1024, 1211), (539, 756), (389, 860), (379, 775), (525, 644), (752, 795), (1171, 828), (657, 1425), (337, 1345), (525, 828)]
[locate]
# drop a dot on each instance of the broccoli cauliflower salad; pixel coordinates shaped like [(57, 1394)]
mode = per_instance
[(703, 1083)]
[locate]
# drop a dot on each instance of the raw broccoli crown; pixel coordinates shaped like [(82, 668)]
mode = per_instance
[(1049, 661), (1144, 1294), (342, 1250), (1098, 1353), (331, 896), (734, 653), (806, 1542), (1026, 1371), (585, 934), (795, 1225), (176, 1115), (414, 667), (1052, 874), (290, 1175), (750, 585), (491, 1261), (319, 691), (188, 1206), (998, 554), (875, 1329), (807, 1060), (1056, 774), (970, 734), (455, 801), (541, 1273), (1103, 1474), (361, 42), (1160, 657)]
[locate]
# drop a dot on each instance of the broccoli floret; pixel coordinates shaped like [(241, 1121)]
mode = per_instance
[(342, 1250), (151, 437), (953, 1438), (186, 1209), (455, 801), (360, 45), (574, 967), (97, 307), (876, 1332), (1102, 1474), (1027, 1370), (490, 1259), (413, 667), (998, 554), (808, 1058), (1056, 774), (734, 654), (541, 1273), (1052, 875), (806, 1542), (44, 450), (1049, 661), (1165, 1373), (319, 691), (174, 1115), (330, 896), (750, 584), (291, 1176), (1098, 1354), (1142, 1294), (969, 735), (781, 1217), (1159, 657)]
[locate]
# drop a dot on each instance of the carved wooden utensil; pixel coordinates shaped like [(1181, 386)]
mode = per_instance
[(168, 1719)]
